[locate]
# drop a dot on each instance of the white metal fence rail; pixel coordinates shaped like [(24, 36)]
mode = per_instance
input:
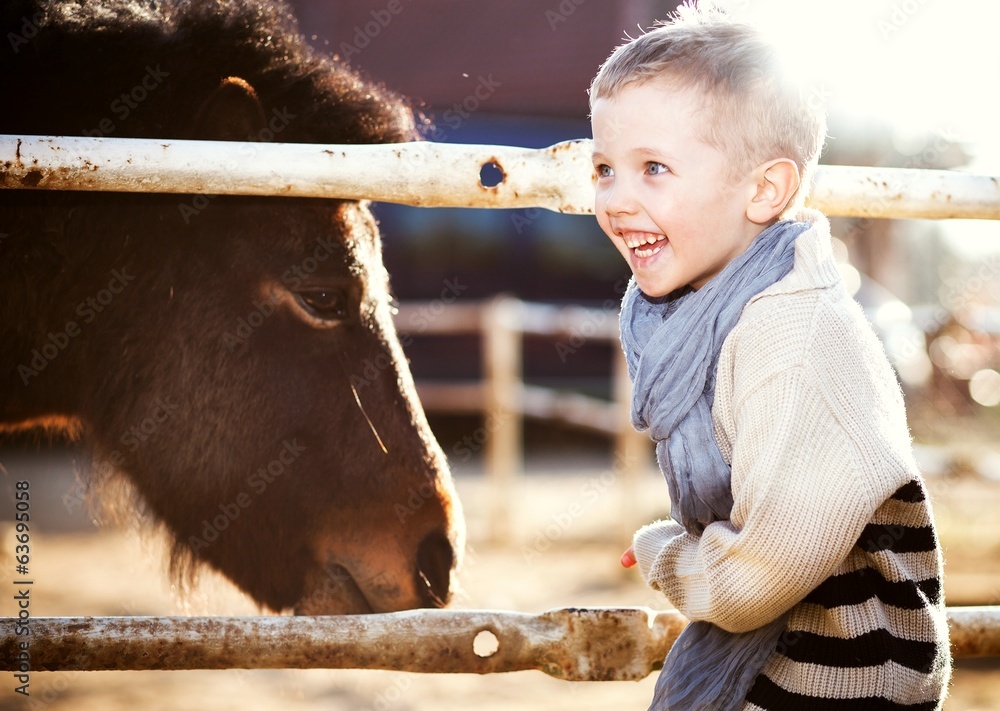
[(589, 643), (559, 178)]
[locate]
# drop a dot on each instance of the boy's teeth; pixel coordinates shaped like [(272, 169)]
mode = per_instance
[(648, 252), (638, 240)]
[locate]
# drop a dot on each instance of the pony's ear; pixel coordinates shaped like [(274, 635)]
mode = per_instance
[(232, 113)]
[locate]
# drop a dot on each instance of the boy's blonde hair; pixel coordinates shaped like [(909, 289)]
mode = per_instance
[(757, 112)]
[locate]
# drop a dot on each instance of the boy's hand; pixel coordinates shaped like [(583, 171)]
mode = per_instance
[(628, 558)]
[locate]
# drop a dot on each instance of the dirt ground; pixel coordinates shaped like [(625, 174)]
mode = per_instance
[(563, 552)]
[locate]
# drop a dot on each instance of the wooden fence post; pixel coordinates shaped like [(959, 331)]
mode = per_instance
[(504, 457), (631, 455)]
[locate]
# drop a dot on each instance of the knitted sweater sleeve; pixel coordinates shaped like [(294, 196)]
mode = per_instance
[(803, 492)]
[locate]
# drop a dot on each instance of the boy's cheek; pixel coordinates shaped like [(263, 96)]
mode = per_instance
[(601, 215), (615, 239)]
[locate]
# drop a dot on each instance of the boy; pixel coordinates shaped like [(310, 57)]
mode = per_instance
[(802, 546)]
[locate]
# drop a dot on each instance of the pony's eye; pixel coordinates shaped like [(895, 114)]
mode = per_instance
[(326, 304)]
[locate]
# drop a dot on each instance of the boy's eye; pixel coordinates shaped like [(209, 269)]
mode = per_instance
[(653, 168), (603, 171)]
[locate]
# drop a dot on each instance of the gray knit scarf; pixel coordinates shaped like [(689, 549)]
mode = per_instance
[(672, 346)]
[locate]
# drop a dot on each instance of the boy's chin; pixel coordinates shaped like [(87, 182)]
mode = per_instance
[(655, 289)]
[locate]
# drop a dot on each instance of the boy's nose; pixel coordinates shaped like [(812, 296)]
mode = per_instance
[(619, 201)]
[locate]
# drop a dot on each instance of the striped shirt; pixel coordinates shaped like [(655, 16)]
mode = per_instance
[(831, 519)]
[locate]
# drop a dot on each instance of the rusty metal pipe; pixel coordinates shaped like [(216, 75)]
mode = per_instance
[(585, 644), (559, 178), (420, 173), (577, 644), (900, 192)]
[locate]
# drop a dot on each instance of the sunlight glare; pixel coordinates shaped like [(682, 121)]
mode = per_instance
[(923, 67), (918, 64)]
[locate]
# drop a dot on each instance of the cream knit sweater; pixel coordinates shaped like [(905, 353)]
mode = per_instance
[(830, 516)]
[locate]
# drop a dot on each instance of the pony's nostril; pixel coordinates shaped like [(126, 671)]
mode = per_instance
[(435, 559)]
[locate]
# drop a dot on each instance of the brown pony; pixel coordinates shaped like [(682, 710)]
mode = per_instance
[(217, 351)]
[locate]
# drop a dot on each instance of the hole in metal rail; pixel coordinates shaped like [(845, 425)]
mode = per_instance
[(485, 644), (491, 174)]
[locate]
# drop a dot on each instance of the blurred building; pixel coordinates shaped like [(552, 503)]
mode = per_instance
[(508, 73), (517, 73)]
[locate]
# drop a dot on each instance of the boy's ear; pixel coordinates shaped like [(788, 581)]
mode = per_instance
[(776, 182)]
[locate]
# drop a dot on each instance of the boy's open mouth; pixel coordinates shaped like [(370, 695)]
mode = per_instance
[(644, 244)]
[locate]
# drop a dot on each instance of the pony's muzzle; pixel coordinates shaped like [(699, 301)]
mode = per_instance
[(435, 561), (332, 590), (350, 585)]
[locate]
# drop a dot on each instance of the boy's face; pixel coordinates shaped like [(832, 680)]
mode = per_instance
[(665, 197)]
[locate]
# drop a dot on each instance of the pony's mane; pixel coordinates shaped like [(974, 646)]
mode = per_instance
[(88, 54)]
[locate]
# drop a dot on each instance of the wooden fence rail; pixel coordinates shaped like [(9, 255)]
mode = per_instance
[(588, 644)]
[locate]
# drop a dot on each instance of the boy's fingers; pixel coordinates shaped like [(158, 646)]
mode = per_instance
[(628, 558)]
